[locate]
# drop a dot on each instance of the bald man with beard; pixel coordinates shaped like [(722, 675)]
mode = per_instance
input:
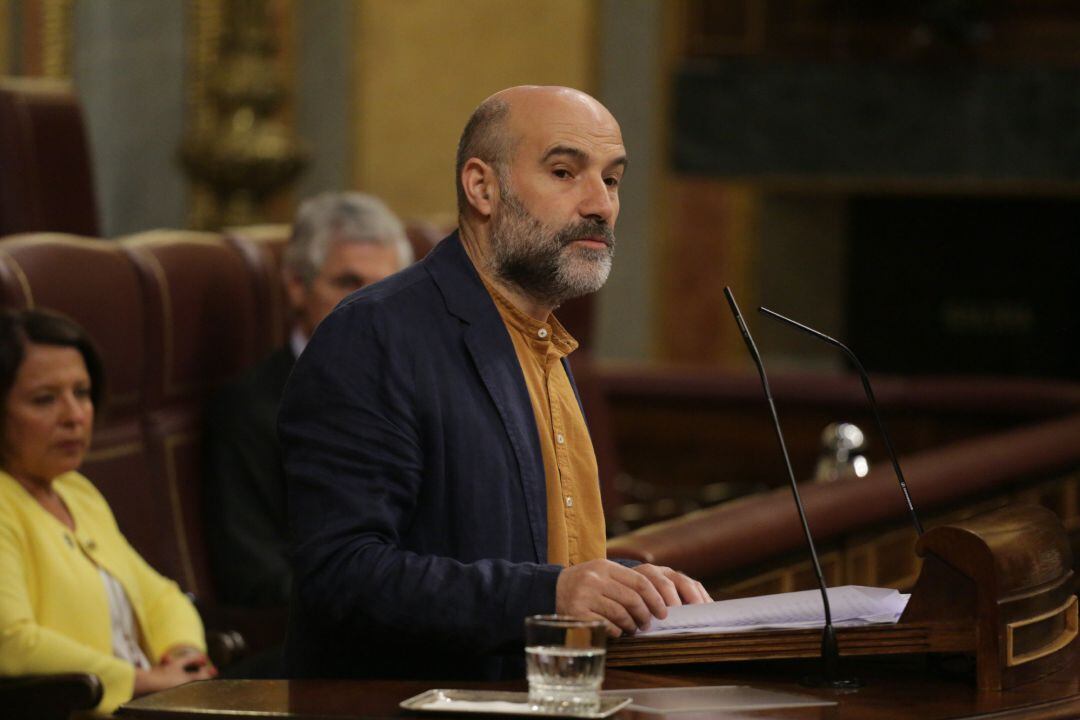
[(442, 484)]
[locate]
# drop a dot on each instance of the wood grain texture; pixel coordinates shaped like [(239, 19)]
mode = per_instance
[(776, 644), (896, 688)]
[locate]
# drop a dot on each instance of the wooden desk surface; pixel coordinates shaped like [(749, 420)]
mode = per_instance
[(896, 688)]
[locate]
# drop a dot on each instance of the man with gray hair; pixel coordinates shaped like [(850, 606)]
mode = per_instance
[(340, 243)]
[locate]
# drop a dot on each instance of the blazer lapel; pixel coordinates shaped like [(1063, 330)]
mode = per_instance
[(504, 382), (496, 362)]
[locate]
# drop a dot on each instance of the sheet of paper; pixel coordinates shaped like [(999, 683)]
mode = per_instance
[(716, 698), (851, 605)]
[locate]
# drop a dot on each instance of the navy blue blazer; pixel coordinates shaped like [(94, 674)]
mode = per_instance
[(416, 484)]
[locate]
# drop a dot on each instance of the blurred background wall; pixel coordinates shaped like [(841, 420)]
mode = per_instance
[(903, 175)]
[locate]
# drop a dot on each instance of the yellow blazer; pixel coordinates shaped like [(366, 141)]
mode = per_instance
[(54, 614)]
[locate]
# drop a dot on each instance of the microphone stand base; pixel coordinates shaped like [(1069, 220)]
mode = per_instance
[(819, 681)]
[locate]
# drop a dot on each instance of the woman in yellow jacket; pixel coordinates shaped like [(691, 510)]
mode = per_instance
[(74, 595)]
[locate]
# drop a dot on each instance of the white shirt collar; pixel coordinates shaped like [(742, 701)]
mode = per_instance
[(297, 341)]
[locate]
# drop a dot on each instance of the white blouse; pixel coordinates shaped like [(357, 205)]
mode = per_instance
[(125, 631)]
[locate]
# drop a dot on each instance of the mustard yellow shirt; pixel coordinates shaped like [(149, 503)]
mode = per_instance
[(54, 612), (575, 515)]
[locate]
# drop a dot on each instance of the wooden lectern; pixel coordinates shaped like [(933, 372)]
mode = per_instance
[(998, 586)]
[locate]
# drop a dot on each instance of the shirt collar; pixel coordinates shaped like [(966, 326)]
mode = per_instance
[(298, 340), (529, 326)]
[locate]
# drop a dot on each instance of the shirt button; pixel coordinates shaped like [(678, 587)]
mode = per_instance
[(569, 501), (560, 438), (542, 332)]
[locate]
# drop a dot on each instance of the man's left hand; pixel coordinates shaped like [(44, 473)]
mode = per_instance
[(674, 587)]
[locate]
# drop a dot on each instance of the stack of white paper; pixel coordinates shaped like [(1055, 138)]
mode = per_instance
[(851, 605)]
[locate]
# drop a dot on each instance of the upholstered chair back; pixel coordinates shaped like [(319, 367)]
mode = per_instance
[(46, 180), (201, 329)]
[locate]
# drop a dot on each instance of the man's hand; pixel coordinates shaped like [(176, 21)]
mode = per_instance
[(625, 599), (673, 586)]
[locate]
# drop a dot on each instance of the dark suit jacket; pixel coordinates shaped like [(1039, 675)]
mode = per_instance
[(244, 490), (416, 484)]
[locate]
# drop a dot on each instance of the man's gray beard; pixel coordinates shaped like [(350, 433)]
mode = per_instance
[(542, 263)]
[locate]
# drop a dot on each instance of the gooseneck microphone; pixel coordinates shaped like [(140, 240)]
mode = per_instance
[(830, 652), (869, 396)]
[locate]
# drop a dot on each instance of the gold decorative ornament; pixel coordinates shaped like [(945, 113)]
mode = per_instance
[(238, 149), (56, 38)]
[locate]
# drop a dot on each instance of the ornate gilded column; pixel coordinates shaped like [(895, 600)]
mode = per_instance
[(56, 35), (238, 151), (7, 37), (37, 37)]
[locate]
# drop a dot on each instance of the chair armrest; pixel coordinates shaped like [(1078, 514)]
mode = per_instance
[(49, 696), (225, 647), (234, 632)]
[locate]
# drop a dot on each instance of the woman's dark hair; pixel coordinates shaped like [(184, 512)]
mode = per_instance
[(44, 327)]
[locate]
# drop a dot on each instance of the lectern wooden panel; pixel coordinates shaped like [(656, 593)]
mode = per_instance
[(998, 586), (897, 688), (1011, 570)]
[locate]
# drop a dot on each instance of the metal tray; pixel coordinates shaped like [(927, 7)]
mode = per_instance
[(491, 702)]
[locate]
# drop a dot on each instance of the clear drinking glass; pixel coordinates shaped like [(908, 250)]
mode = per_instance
[(565, 662)]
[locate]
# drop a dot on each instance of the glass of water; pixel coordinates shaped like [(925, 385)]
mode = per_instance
[(565, 663)]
